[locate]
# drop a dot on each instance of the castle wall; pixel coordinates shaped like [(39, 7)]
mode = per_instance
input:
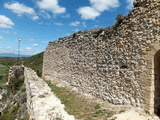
[(115, 64)]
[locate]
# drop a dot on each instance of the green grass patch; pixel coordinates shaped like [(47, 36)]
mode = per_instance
[(3, 74), (3, 80), (3, 69), (78, 106), (97, 106), (147, 112)]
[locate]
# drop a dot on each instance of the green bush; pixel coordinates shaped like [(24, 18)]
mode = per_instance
[(39, 73), (97, 106), (16, 85)]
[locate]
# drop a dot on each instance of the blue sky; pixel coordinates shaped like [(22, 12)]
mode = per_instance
[(37, 22)]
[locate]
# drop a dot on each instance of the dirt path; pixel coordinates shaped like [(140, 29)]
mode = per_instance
[(135, 114)]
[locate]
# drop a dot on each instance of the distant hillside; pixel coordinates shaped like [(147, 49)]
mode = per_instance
[(12, 55), (35, 62), (8, 61)]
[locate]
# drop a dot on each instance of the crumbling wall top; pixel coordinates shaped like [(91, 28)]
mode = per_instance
[(143, 3)]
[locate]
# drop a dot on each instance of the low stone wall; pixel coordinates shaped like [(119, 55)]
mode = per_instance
[(116, 63), (15, 72), (42, 104)]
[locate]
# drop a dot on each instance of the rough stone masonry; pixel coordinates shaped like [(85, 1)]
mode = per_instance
[(119, 64)]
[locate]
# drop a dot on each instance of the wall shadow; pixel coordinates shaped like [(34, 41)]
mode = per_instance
[(157, 83)]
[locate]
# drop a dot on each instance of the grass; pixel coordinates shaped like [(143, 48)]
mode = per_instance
[(3, 74), (5, 63), (80, 107), (3, 80), (147, 112), (8, 61), (3, 69)]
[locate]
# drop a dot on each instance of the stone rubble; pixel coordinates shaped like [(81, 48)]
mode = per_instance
[(41, 102)]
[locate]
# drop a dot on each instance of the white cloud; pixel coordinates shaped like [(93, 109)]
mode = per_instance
[(51, 5), (31, 40), (102, 5), (96, 26), (68, 34), (44, 14), (35, 45), (88, 13), (28, 48), (66, 16), (22, 9), (40, 23), (35, 18), (1, 38), (46, 42), (74, 23), (76, 30), (31, 50), (48, 23), (5, 22), (59, 24), (84, 24), (4, 31), (8, 32), (96, 8), (130, 4), (14, 33)]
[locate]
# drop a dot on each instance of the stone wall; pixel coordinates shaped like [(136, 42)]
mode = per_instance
[(42, 104), (15, 72), (116, 63)]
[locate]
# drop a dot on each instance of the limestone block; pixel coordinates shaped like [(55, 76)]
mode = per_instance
[(146, 82), (147, 94)]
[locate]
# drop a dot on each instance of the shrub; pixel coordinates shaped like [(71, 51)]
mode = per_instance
[(97, 106)]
